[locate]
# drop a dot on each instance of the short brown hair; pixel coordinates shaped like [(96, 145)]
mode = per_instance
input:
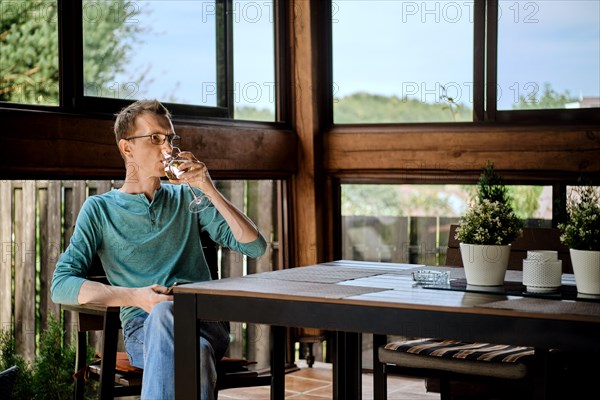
[(125, 121)]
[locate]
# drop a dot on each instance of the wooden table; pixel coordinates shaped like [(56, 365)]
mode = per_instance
[(351, 297)]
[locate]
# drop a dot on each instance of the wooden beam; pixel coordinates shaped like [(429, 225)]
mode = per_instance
[(448, 151), (52, 145), (306, 209)]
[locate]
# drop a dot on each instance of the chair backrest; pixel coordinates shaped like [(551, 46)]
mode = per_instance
[(532, 239)]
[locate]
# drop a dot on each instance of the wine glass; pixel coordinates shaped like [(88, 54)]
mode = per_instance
[(172, 162)]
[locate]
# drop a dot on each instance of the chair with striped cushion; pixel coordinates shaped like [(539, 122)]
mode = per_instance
[(510, 367)]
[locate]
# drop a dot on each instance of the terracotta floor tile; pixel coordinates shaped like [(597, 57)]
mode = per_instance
[(315, 384)]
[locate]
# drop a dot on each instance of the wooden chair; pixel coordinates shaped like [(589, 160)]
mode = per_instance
[(526, 366), (117, 378)]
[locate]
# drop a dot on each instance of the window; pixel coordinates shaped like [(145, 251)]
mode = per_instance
[(179, 51), (29, 48), (548, 54), (254, 60), (175, 51), (448, 61), (410, 223), (151, 49), (182, 53), (402, 61)]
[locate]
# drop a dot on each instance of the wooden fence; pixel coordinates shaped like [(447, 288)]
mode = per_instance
[(416, 240), (36, 222)]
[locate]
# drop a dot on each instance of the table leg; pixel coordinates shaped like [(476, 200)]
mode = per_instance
[(187, 347), (278, 344), (379, 373), (347, 366), (540, 376)]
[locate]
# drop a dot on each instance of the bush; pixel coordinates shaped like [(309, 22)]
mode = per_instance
[(49, 376), (490, 219), (581, 231), (8, 358), (53, 366)]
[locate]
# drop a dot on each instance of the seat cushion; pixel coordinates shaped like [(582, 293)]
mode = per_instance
[(485, 359)]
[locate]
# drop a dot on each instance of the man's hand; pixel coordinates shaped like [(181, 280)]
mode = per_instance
[(194, 172), (150, 296)]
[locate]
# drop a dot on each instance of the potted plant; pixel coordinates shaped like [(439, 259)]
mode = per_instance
[(486, 231), (581, 233)]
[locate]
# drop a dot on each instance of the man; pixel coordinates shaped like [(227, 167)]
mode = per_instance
[(147, 240)]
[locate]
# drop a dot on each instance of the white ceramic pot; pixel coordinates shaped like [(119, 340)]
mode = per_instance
[(485, 265), (542, 271), (586, 266)]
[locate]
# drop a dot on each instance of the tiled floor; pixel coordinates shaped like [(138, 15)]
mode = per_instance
[(315, 383)]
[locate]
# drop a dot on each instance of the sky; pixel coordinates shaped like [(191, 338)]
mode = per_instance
[(388, 47)]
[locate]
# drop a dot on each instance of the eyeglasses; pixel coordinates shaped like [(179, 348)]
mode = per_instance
[(159, 138)]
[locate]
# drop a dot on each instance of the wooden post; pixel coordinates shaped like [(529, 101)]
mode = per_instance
[(307, 209), (49, 202), (25, 276), (6, 223)]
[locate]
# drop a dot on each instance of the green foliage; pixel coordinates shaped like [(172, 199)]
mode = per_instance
[(372, 108), (490, 218), (581, 231), (29, 46), (53, 366), (49, 376), (110, 32), (394, 200), (525, 200), (491, 186), (254, 114), (549, 99)]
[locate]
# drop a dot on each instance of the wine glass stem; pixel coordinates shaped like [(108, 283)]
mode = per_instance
[(192, 190)]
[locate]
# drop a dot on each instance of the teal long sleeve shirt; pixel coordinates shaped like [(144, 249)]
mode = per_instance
[(142, 242)]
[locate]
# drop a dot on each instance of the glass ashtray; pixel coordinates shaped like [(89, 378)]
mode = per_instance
[(429, 277)]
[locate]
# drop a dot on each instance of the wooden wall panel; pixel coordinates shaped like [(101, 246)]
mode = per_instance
[(42, 145), (446, 152)]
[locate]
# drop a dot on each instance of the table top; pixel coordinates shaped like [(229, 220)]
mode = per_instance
[(390, 286)]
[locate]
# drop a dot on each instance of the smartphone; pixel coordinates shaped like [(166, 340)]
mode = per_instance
[(170, 289)]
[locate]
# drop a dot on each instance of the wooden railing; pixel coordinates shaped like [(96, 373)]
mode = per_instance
[(36, 222)]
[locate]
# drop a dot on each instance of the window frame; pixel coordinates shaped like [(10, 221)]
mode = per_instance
[(73, 52), (71, 80), (582, 115), (485, 72)]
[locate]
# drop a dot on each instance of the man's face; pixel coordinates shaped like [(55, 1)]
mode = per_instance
[(143, 155)]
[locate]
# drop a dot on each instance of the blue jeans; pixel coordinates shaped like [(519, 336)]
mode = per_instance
[(149, 344)]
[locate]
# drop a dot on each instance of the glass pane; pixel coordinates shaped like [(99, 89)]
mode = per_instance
[(254, 60), (548, 54), (410, 223), (402, 61), (29, 52), (152, 49)]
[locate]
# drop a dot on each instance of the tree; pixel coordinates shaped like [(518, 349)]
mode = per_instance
[(549, 98), (29, 44)]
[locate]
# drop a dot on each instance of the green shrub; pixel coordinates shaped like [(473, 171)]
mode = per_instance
[(50, 375), (8, 358), (53, 366)]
